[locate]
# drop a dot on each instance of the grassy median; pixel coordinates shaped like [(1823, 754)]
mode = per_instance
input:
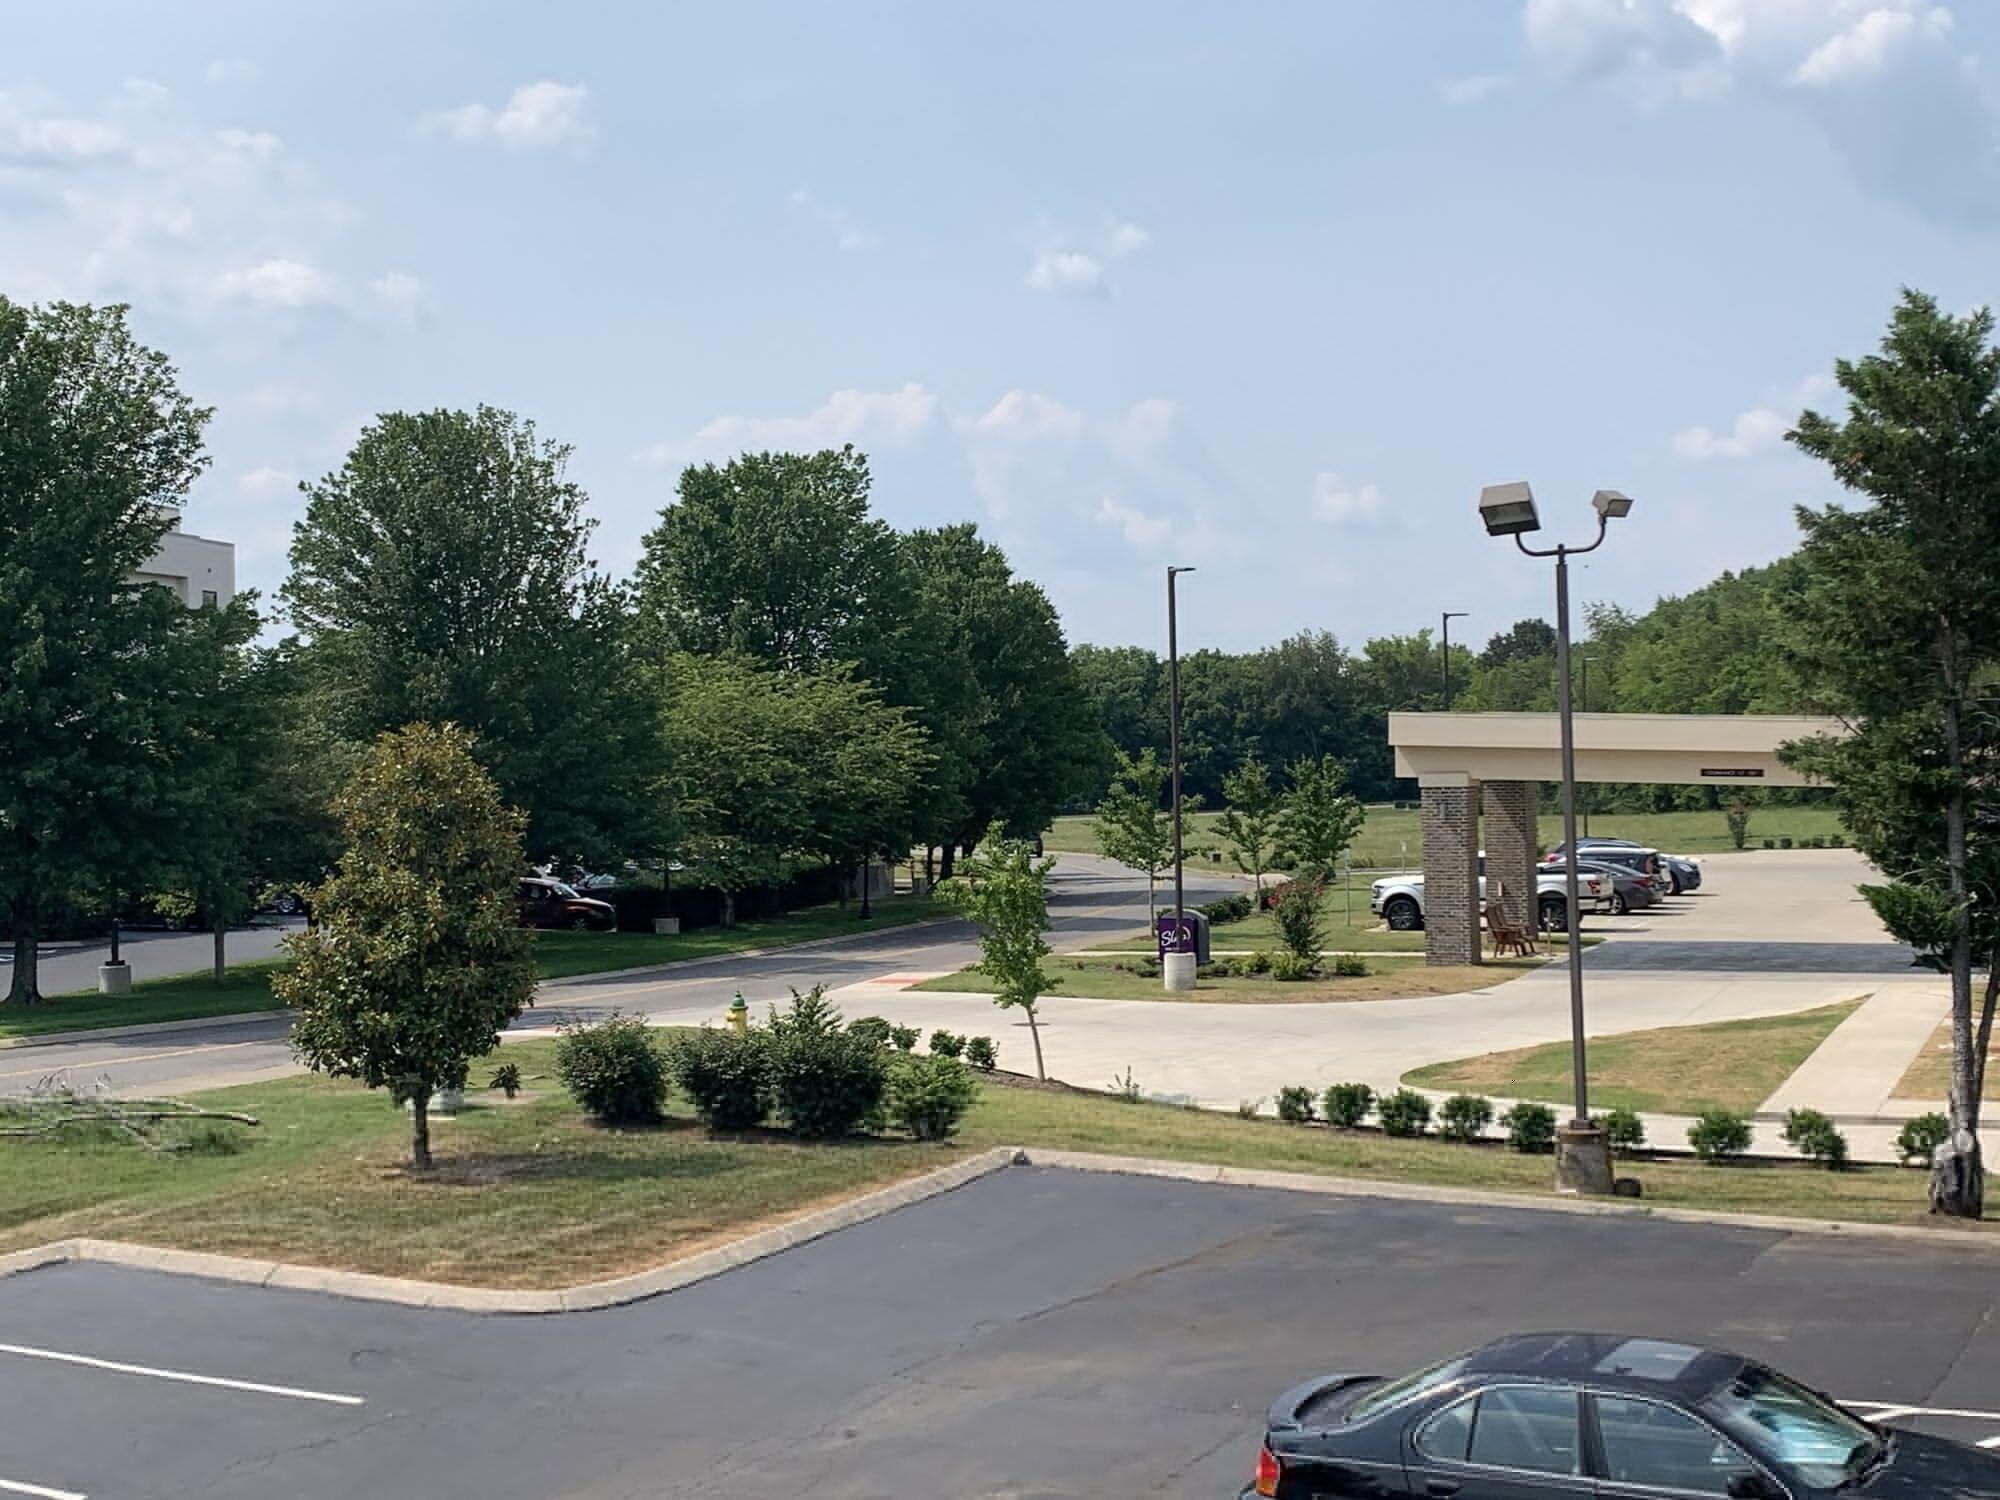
[(1388, 978)]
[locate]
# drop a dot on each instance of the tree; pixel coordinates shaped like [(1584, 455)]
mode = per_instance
[(1319, 820), (1133, 828), (1899, 629), (1528, 640), (440, 575), (417, 961), (1004, 891), (100, 677), (1250, 822)]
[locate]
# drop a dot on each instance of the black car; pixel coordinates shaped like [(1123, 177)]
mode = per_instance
[(1606, 1416)]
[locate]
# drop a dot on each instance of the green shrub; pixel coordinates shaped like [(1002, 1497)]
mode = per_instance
[(873, 1027), (1125, 1089), (726, 1077), (1921, 1135), (1785, 843), (1350, 966), (1464, 1117), (825, 1080), (1405, 1112), (981, 1053), (947, 1044), (1299, 921), (616, 1070), (1347, 1104), (904, 1038), (1816, 1138), (1738, 819), (507, 1079), (1718, 1135), (1290, 968), (1295, 1104), (1624, 1130), (205, 1137), (1836, 841), (1817, 841), (928, 1096), (1259, 961), (1770, 843), (1531, 1127), (1246, 1109), (1228, 909)]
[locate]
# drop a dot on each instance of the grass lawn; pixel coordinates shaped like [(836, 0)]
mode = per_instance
[(530, 1194), (1682, 1070), (1928, 1077), (246, 987), (1391, 840), (1393, 977)]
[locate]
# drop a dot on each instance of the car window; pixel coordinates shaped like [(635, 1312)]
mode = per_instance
[(1646, 1443), (1449, 1433), (1793, 1425), (1526, 1427), (1404, 1387)]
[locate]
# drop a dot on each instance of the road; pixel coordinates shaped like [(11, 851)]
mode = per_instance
[(63, 968), (1090, 900), (1037, 1333)]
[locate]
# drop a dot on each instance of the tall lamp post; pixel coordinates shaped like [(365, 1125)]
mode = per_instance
[(1445, 633), (1583, 667), (1176, 967), (1583, 1157)]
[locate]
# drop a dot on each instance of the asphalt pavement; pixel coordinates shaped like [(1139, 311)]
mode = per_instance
[(1036, 1333), (63, 968)]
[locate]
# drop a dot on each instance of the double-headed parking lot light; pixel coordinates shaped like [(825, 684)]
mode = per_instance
[(1509, 509)]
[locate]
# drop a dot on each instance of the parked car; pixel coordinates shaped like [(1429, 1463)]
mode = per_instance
[(1683, 874), (1583, 1414), (1399, 899), (554, 903), (1626, 889)]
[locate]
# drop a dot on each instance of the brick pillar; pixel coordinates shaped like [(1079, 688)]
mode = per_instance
[(1508, 808), (1451, 874)]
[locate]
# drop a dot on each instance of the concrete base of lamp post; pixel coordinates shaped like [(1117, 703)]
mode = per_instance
[(1583, 1159), (114, 979), (1178, 970)]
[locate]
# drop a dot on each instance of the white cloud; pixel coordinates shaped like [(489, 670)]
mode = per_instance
[(1754, 431), (1341, 504), (399, 292), (1122, 238), (535, 116), (1069, 271), (1866, 47), (865, 418), (230, 70), (1476, 89), (33, 138), (261, 144), (278, 282), (265, 482), (1139, 528), (1028, 414), (847, 233)]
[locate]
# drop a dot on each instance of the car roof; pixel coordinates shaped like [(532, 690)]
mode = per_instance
[(1615, 1360)]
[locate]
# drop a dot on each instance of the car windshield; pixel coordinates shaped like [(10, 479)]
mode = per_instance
[(1824, 1445), (1395, 1392), (561, 888)]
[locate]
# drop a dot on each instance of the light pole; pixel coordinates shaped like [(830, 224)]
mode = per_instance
[(1445, 620), (1583, 665), (1176, 968), (1583, 1158)]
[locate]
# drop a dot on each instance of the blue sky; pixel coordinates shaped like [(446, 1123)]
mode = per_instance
[(1268, 289)]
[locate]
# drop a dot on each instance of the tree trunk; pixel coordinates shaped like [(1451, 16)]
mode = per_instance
[(1035, 1032), (729, 908), (930, 866), (221, 949), (1958, 1186), (1152, 911), (420, 1130), (949, 862), (25, 989)]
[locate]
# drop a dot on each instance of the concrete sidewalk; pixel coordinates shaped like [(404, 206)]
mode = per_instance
[(1853, 1074)]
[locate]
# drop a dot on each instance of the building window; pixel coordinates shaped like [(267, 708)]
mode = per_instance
[(208, 600)]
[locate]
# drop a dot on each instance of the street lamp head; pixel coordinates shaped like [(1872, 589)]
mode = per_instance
[(1173, 570), (1508, 509), (1612, 503)]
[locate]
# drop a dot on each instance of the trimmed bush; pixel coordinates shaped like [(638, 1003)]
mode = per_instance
[(872, 1027), (947, 1044), (728, 1077), (1816, 1138), (825, 1080), (1784, 843), (1228, 909), (1405, 1112), (1625, 1131), (903, 1038), (616, 1070), (1921, 1135), (928, 1096), (1531, 1127), (1836, 841), (1464, 1117), (1350, 966), (1290, 968), (1719, 1135), (1770, 843), (981, 1053), (1295, 1104), (1299, 921), (1259, 961), (1347, 1104)]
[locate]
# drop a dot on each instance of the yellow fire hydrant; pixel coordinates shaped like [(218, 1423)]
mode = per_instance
[(739, 1014)]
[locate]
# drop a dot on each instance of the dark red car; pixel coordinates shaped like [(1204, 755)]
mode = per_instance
[(550, 903)]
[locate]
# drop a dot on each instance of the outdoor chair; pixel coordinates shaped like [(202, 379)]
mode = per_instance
[(1507, 937)]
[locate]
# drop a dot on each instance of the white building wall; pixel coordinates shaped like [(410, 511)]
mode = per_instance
[(193, 567)]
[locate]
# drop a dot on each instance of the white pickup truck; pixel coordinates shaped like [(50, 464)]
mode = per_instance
[(1399, 899)]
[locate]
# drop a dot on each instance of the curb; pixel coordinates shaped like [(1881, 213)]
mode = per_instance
[(1352, 1187), (587, 1296)]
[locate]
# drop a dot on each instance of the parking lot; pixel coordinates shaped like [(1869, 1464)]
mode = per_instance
[(1036, 1333)]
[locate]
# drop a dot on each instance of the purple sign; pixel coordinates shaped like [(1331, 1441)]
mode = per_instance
[(1173, 934)]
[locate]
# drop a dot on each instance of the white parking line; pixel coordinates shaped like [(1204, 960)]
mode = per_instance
[(15, 1487), (1885, 1411), (184, 1377)]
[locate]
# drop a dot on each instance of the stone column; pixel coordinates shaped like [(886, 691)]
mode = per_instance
[(1509, 811), (1451, 873)]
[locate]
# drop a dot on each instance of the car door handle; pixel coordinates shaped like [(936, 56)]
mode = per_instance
[(1442, 1486)]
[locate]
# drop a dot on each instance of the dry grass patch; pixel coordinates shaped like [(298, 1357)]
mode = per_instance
[(1389, 978), (1928, 1077)]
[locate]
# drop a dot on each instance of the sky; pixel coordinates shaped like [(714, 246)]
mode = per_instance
[(1268, 289)]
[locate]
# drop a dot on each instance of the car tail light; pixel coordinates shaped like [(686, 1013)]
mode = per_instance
[(1268, 1472)]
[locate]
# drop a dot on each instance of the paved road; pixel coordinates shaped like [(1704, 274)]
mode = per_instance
[(68, 967), (1037, 1333)]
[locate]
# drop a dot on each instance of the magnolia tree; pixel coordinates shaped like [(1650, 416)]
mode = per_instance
[(416, 961), (1004, 890)]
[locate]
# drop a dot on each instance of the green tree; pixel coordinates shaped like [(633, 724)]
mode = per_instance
[(1529, 640), (1004, 891), (417, 961), (1132, 826), (1250, 822), (1900, 631), (441, 575), (1320, 818), (101, 679)]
